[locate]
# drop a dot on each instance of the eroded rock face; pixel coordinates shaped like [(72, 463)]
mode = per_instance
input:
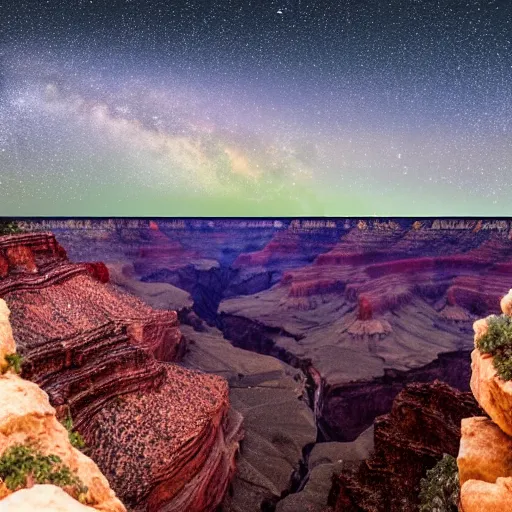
[(478, 496), (182, 444), (484, 452), (163, 435), (492, 393), (278, 423), (21, 258), (424, 424), (4, 267), (27, 418)]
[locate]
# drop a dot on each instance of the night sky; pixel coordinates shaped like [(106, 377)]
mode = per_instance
[(266, 108)]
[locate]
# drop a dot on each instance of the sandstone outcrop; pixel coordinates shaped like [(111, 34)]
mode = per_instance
[(44, 498), (485, 467), (484, 452), (162, 435)]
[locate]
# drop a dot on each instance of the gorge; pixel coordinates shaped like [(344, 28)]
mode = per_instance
[(314, 328)]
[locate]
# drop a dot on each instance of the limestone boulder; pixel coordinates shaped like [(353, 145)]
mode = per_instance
[(484, 452), (44, 498), (478, 496), (506, 303), (26, 417), (492, 393)]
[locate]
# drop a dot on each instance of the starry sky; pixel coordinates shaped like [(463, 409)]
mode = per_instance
[(255, 107)]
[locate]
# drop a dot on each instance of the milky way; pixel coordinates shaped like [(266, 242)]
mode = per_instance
[(288, 107)]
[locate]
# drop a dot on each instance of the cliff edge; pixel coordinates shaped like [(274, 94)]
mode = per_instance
[(484, 462), (29, 428), (164, 436)]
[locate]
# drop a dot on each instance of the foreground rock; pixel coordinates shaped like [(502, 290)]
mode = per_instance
[(485, 469), (44, 498), (161, 434), (423, 425), (27, 418), (484, 451)]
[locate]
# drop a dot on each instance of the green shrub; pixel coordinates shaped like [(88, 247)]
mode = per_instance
[(498, 342), (14, 362), (9, 227), (75, 438), (440, 489), (21, 465)]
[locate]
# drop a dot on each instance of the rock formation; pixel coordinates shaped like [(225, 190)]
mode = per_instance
[(364, 310), (485, 468), (278, 423), (424, 424), (163, 435), (394, 302), (27, 418)]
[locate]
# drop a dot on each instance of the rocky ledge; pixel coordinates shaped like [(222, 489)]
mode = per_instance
[(162, 435)]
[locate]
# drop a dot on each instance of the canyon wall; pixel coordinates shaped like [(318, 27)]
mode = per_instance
[(162, 435), (423, 425), (28, 419)]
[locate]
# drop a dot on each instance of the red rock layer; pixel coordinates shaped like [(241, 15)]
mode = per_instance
[(388, 267), (424, 424), (182, 444), (158, 252), (92, 348), (279, 247), (289, 246)]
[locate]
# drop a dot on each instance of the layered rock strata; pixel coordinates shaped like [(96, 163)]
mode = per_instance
[(424, 424), (27, 418), (279, 426), (382, 308), (352, 379), (162, 435)]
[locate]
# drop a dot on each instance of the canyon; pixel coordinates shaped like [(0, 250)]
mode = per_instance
[(318, 327)]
